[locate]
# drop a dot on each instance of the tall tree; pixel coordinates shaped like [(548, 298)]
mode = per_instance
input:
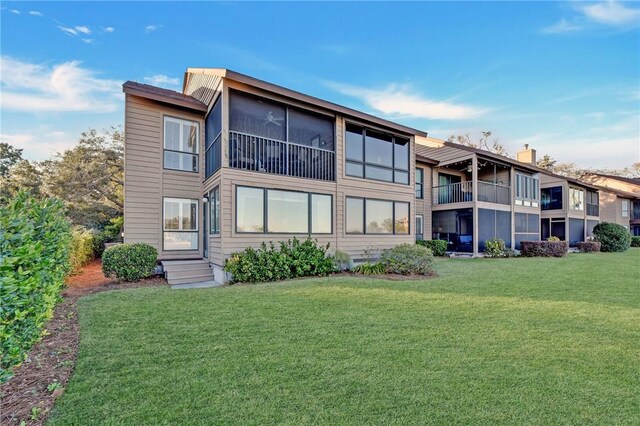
[(90, 177), (483, 143), (22, 176), (8, 157)]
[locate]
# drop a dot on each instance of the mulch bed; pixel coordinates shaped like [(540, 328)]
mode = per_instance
[(30, 394)]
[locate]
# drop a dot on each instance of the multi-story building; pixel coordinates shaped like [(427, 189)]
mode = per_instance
[(619, 199)]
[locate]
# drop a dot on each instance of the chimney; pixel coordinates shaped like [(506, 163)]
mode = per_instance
[(526, 155)]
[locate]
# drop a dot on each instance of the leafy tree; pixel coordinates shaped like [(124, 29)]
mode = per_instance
[(21, 176), (8, 157), (493, 146), (89, 178), (547, 162)]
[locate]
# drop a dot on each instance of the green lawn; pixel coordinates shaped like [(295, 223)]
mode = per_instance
[(512, 341)]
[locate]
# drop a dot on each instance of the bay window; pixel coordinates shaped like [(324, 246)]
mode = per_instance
[(375, 155), (274, 211), (181, 140), (180, 224)]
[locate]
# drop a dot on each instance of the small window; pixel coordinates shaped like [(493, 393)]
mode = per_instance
[(181, 141), (249, 210), (214, 211), (401, 218), (552, 198), (419, 227), (419, 183), (180, 224), (625, 208)]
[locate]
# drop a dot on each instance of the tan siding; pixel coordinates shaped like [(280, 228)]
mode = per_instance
[(146, 183)]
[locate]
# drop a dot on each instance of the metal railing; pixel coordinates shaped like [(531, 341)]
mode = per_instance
[(453, 193), (593, 209), (260, 154), (494, 193)]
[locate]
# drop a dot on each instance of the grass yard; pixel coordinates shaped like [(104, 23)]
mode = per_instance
[(511, 341)]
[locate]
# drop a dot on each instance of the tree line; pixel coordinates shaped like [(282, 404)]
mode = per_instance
[(89, 178)]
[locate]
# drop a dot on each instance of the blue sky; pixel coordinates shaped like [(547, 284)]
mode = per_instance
[(561, 76)]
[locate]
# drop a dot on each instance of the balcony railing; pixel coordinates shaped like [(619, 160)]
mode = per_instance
[(453, 193), (260, 154), (494, 193), (593, 210)]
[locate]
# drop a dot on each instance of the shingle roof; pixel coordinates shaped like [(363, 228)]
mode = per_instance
[(163, 95)]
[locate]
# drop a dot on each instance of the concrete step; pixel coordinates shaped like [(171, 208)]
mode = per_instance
[(187, 268), (171, 275), (203, 284), (191, 279)]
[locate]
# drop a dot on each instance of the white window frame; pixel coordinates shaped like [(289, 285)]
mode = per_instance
[(180, 229), (420, 229), (625, 208), (181, 122)]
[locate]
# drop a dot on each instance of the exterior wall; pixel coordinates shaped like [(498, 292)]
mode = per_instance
[(611, 209), (146, 182), (423, 206)]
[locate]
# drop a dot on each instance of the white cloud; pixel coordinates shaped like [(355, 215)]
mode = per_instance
[(611, 13), (562, 26), (83, 29), (109, 29), (39, 145), (152, 28), (15, 11), (88, 40), (35, 13), (67, 30), (401, 100), (162, 80), (62, 87)]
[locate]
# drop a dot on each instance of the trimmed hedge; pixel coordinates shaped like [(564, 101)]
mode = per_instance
[(589, 246), (613, 237), (292, 259), (81, 248), (407, 259), (34, 260), (129, 262), (635, 241), (543, 248), (495, 247), (438, 247)]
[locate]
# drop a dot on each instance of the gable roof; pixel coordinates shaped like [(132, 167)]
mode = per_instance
[(633, 181), (298, 96), (163, 95)]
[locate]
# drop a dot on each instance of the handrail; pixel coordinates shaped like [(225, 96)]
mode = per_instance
[(459, 192)]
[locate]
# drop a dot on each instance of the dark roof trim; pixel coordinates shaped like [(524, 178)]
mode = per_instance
[(163, 95), (292, 94), (423, 159)]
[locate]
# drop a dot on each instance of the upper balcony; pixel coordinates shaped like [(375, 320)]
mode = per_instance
[(455, 183), (249, 152)]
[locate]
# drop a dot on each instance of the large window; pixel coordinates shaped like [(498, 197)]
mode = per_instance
[(180, 224), (214, 211), (180, 144), (419, 182), (527, 189), (576, 199), (551, 198), (371, 216), (284, 212), (375, 155), (213, 137)]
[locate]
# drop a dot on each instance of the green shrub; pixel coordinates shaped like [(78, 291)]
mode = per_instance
[(613, 237), (368, 268), (408, 259), (109, 234), (34, 260), (341, 260), (553, 239), (129, 262), (81, 248), (438, 247), (291, 259), (544, 248), (589, 246), (495, 248), (635, 241)]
